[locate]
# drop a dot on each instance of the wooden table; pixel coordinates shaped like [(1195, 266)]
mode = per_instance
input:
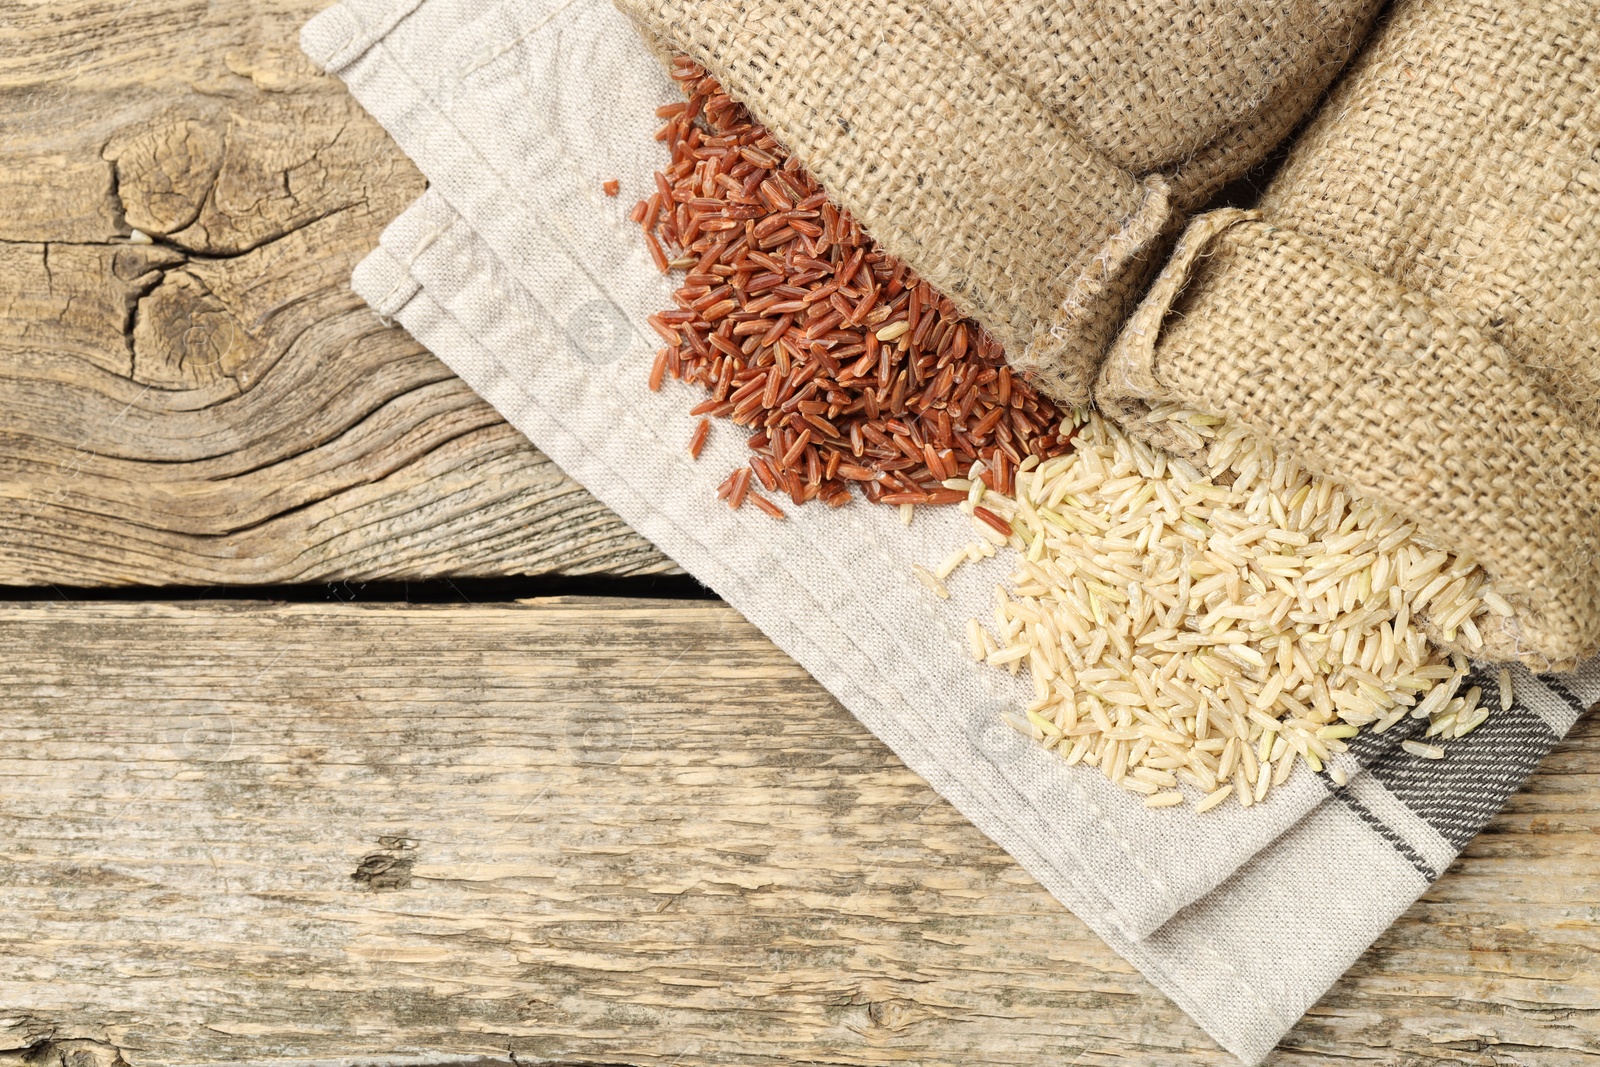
[(276, 821)]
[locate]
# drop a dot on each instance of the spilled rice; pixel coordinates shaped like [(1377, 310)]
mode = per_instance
[(839, 366), (1211, 628), (1214, 627)]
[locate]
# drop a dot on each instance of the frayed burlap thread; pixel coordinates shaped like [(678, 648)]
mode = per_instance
[(1017, 154), (1415, 307)]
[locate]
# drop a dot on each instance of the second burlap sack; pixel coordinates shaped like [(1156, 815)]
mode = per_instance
[(1415, 307), (1028, 157)]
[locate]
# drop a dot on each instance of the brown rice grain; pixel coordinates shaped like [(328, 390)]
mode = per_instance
[(1230, 618)]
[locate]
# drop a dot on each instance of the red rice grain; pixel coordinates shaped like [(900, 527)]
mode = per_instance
[(698, 440), (611, 186), (846, 366), (993, 520), (766, 505), (741, 485)]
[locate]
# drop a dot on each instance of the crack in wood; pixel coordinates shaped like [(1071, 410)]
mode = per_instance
[(216, 405)]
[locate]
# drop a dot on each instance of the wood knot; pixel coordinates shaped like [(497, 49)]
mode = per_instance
[(166, 170), (185, 337), (390, 869), (892, 1015), (69, 1052)]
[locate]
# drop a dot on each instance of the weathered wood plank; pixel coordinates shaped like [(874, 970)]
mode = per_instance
[(218, 407), (618, 832)]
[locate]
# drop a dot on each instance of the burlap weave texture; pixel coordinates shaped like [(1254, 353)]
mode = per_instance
[(1415, 308), (1199, 90), (1030, 159)]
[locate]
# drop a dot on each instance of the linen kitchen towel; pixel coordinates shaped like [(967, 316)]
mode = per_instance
[(533, 286)]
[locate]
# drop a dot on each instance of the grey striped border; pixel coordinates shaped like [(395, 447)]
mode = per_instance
[(1454, 798)]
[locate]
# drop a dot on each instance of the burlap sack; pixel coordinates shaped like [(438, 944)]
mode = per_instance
[(1028, 157), (1415, 307)]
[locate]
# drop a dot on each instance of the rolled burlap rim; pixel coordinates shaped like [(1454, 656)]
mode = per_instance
[(1389, 393)]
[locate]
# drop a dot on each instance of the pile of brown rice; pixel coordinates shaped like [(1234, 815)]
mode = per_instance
[(1213, 627)]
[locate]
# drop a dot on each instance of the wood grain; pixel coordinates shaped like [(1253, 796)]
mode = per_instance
[(217, 406), (614, 832)]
